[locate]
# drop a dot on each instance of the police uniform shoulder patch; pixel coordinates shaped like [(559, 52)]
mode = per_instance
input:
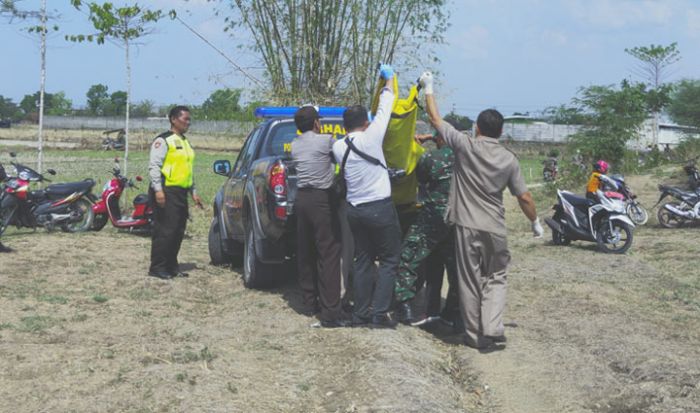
[(156, 144)]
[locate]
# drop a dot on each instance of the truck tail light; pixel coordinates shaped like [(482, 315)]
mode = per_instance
[(278, 179)]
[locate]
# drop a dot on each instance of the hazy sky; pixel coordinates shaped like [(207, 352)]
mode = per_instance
[(515, 55)]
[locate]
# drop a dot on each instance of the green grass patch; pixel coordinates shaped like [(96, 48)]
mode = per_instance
[(191, 356), (53, 299), (6, 326), (142, 294), (36, 324), (99, 298)]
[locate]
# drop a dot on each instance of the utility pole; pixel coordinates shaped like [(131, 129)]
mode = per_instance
[(42, 87)]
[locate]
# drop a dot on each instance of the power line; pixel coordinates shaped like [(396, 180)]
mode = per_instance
[(236, 65)]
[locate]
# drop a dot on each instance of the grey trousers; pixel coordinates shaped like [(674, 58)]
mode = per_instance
[(482, 264)]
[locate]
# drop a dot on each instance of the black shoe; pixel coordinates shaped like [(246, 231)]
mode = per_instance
[(160, 274), (358, 321), (497, 339), (310, 311), (382, 321), (404, 314)]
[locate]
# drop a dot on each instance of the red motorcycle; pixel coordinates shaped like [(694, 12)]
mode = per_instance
[(107, 207)]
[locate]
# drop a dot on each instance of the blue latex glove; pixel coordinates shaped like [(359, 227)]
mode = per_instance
[(386, 71)]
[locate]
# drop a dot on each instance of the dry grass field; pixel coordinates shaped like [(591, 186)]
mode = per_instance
[(83, 329)]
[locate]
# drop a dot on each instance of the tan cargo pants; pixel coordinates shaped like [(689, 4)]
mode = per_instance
[(482, 264)]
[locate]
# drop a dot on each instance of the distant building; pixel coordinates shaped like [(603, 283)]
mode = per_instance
[(669, 134)]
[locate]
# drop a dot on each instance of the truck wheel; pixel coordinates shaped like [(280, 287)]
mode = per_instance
[(255, 273), (217, 254)]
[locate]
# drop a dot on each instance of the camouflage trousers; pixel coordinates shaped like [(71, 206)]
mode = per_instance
[(428, 234)]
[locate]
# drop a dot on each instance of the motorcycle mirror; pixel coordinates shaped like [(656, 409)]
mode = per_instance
[(138, 178), (51, 171)]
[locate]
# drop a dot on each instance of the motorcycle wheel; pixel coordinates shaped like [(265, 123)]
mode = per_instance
[(559, 238), (668, 219), (637, 213), (99, 222), (84, 208), (6, 215), (615, 240)]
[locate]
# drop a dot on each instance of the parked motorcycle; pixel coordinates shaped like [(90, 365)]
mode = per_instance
[(107, 207), (117, 144), (637, 213), (605, 222), (59, 205), (550, 169), (684, 208)]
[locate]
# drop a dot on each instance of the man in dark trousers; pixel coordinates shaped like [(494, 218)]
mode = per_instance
[(428, 234), (318, 225), (371, 213), (483, 169), (172, 179)]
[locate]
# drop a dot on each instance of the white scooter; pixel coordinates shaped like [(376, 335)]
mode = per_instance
[(604, 222)]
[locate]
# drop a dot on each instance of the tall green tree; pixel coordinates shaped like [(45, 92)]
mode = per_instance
[(54, 104), (653, 64), (97, 99), (9, 109), (327, 50), (123, 26), (60, 105), (459, 121), (143, 109), (685, 103), (222, 104), (117, 103), (564, 115), (613, 117)]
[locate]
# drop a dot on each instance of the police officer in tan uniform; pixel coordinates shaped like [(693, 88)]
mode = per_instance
[(172, 179), (483, 169)]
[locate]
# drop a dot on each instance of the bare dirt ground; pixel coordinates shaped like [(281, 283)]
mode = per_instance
[(83, 329)]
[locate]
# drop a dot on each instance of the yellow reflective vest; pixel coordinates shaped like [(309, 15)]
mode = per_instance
[(178, 164)]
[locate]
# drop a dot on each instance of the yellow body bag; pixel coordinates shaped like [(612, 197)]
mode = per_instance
[(400, 149)]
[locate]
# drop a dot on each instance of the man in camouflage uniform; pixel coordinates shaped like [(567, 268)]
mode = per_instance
[(429, 234)]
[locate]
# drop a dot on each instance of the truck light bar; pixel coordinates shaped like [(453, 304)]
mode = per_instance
[(289, 111)]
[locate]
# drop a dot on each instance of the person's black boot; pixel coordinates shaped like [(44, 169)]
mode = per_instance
[(404, 313), (382, 321)]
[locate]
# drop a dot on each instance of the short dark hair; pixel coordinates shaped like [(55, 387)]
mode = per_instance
[(305, 117), (176, 111), (354, 117), (490, 123)]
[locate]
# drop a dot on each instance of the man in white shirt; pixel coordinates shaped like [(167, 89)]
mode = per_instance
[(371, 213)]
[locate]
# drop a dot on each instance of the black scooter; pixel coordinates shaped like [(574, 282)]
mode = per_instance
[(60, 205)]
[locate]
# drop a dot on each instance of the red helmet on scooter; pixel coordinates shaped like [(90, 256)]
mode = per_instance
[(601, 166)]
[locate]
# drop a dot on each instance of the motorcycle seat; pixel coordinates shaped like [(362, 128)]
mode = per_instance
[(70, 187), (577, 201)]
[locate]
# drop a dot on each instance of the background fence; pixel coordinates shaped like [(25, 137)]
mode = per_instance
[(146, 124)]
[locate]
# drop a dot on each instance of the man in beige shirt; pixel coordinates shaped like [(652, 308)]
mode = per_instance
[(483, 169)]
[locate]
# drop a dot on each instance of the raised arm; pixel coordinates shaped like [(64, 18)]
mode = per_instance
[(426, 82), (377, 129)]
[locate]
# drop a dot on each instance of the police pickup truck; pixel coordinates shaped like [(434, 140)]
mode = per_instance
[(253, 218)]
